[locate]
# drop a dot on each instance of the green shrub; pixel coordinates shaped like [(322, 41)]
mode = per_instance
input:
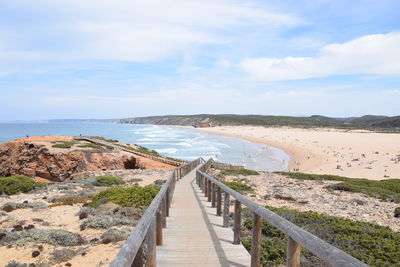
[(308, 176), (64, 144), (105, 139), (134, 196), (106, 221), (90, 145), (388, 190), (239, 172), (239, 187), (16, 184), (68, 201), (115, 235), (35, 205), (371, 243), (52, 237), (44, 149), (108, 180)]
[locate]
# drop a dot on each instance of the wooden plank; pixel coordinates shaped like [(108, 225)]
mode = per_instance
[(317, 246), (194, 237)]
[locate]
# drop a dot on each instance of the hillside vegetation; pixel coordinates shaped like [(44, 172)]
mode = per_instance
[(365, 122), (371, 243), (388, 190)]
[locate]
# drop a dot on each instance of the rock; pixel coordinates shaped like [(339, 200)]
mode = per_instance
[(83, 215), (17, 228), (29, 226), (23, 158), (7, 207), (35, 253), (68, 264)]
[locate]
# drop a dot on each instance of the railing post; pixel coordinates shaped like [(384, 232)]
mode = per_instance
[(138, 261), (256, 241), (159, 221), (293, 253), (151, 244), (167, 200), (164, 212), (219, 201), (205, 187), (237, 223), (213, 192), (226, 210), (209, 192)]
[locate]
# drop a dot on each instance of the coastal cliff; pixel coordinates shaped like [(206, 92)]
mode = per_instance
[(30, 159)]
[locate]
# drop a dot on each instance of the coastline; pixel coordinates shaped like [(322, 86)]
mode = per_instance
[(354, 154), (297, 154)]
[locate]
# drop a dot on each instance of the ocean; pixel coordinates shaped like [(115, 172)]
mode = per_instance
[(175, 142)]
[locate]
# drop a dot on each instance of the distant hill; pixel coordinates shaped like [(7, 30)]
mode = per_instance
[(370, 122)]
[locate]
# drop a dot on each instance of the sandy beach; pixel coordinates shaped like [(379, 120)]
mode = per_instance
[(356, 154)]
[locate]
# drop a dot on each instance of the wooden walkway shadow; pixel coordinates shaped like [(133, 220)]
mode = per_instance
[(194, 235)]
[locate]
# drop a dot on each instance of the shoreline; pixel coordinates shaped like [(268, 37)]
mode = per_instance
[(296, 154), (352, 154)]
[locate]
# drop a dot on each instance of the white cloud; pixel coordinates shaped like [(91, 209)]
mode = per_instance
[(140, 30), (370, 54)]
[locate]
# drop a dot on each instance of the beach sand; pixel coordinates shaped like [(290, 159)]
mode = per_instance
[(355, 154)]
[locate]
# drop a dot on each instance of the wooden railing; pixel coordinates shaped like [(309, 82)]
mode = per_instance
[(225, 166), (297, 236), (140, 247), (116, 146)]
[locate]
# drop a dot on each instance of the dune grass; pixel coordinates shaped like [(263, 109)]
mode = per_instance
[(239, 172)]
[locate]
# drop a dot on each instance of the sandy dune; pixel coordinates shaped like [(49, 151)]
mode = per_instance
[(357, 154)]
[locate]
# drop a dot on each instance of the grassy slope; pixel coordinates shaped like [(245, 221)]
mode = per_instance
[(373, 244), (388, 190)]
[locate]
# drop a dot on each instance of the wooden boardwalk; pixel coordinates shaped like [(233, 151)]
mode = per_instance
[(194, 235)]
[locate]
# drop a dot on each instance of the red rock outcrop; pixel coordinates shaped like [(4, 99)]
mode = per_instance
[(25, 158)]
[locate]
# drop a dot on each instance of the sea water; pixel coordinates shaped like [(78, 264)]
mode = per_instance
[(175, 142)]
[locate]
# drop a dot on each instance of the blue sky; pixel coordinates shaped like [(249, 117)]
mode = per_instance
[(115, 59)]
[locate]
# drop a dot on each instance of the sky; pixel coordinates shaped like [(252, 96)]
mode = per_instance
[(126, 58)]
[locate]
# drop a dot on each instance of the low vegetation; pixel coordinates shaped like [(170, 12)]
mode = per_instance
[(64, 144), (371, 243), (134, 196), (108, 180), (69, 201), (239, 187), (90, 145), (239, 172), (308, 176), (388, 190), (18, 184), (107, 140), (52, 237)]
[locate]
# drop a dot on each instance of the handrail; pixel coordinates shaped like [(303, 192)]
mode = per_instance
[(297, 236), (116, 146), (147, 234)]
